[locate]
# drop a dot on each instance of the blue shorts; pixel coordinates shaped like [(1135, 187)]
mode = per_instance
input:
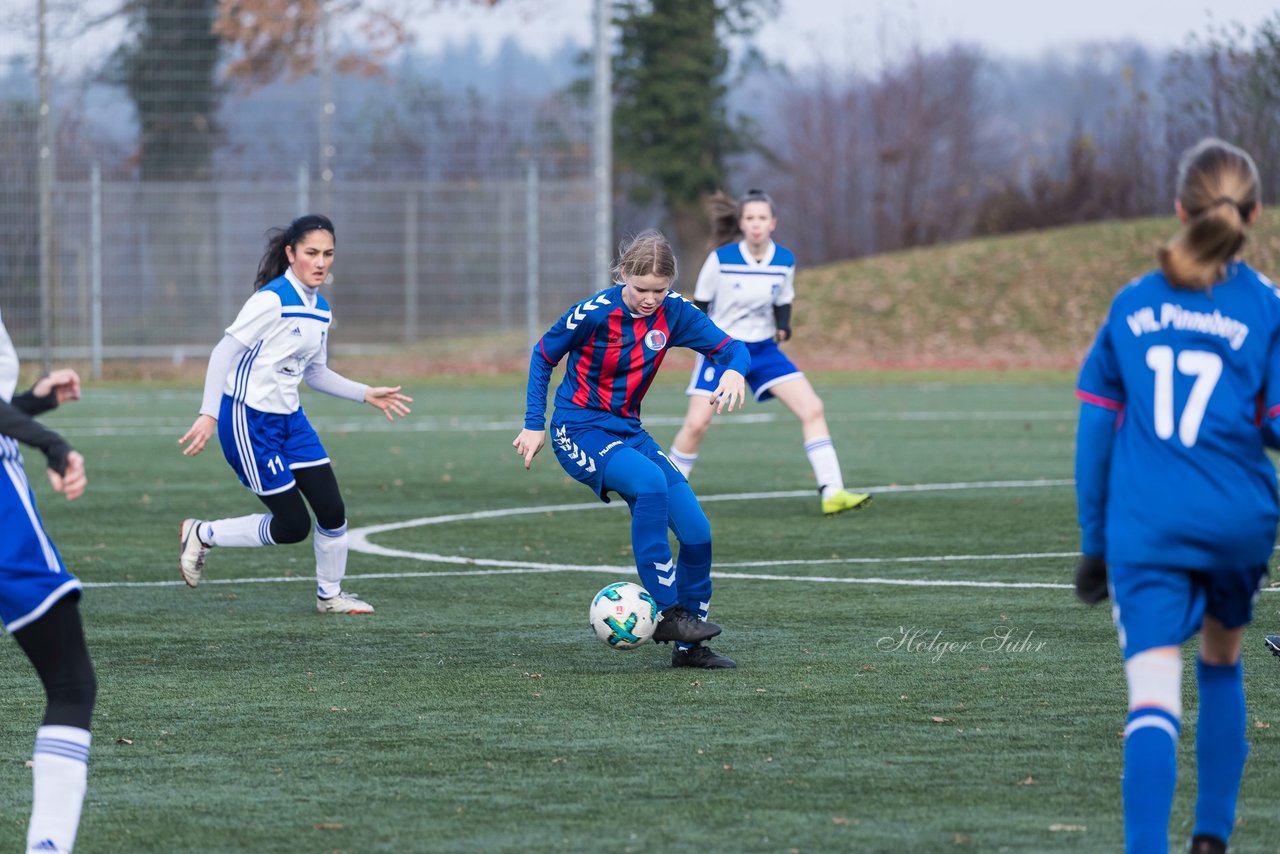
[(1155, 606), (32, 576), (583, 444), (265, 447), (769, 366)]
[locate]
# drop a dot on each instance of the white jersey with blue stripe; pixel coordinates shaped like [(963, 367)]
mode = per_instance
[(742, 291), (8, 365), (285, 325)]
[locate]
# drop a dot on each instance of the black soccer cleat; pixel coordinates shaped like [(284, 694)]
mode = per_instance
[(1205, 844), (677, 624), (701, 656), (1272, 642)]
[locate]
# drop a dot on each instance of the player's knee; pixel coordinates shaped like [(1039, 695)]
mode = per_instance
[(331, 517), (812, 410), (290, 528), (71, 692), (650, 480), (1155, 680)]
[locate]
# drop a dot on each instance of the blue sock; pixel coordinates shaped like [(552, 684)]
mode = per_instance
[(1150, 775), (652, 548), (1221, 748)]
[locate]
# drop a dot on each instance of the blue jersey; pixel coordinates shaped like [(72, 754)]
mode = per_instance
[(614, 355), (1194, 377)]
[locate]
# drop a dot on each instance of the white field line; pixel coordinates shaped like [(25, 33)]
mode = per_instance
[(359, 540), (147, 426)]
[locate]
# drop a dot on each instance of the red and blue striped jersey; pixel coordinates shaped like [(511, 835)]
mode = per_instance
[(614, 355)]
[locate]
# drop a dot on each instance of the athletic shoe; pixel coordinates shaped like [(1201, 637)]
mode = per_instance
[(343, 603), (701, 656), (1272, 643), (191, 561), (677, 624), (842, 500), (1204, 844)]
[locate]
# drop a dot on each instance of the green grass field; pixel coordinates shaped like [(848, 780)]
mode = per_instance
[(913, 677)]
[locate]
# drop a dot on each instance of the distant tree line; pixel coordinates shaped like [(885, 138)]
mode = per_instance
[(935, 145)]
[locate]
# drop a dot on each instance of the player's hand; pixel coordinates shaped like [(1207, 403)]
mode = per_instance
[(71, 482), (528, 443), (731, 393), (389, 400), (199, 435), (64, 383), (782, 335), (1091, 580)]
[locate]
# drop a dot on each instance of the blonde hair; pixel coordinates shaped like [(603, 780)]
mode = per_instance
[(1218, 188), (646, 254)]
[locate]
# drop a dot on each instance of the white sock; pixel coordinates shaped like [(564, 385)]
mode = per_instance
[(826, 465), (242, 532), (60, 774), (684, 462), (331, 560)]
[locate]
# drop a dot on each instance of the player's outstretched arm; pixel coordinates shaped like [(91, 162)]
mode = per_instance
[(731, 392), (389, 400), (528, 443), (198, 435)]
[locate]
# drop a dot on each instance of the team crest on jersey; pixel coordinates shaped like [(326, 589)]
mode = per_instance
[(655, 339)]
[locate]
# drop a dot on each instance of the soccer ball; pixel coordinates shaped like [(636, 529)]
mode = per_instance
[(624, 615)]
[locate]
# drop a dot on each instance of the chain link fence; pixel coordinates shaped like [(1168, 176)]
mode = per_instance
[(459, 213)]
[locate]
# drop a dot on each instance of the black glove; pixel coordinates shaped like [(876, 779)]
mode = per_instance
[(1091, 580)]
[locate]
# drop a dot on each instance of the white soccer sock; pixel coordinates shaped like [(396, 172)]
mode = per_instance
[(682, 461), (826, 465), (59, 777), (242, 532), (331, 560)]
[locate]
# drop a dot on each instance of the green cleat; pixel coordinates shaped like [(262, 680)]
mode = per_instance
[(843, 500)]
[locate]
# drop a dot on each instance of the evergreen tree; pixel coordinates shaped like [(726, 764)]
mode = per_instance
[(672, 128)]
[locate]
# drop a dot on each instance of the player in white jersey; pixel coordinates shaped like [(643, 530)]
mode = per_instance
[(38, 602), (746, 287), (278, 340)]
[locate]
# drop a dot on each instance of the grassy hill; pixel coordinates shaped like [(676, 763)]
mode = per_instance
[(1033, 299)]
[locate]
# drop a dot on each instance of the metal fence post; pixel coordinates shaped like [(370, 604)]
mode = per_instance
[(95, 270), (531, 238)]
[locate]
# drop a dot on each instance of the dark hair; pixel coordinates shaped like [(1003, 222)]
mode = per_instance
[(274, 262), (1218, 187), (648, 253), (725, 214)]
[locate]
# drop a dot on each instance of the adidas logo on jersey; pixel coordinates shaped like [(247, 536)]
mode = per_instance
[(297, 330)]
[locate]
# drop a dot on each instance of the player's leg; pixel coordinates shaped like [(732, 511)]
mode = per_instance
[(254, 446), (55, 645), (693, 572), (1221, 725), (798, 395), (697, 419), (320, 487), (643, 485), (1156, 611)]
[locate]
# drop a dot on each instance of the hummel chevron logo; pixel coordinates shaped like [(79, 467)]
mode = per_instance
[(666, 572), (579, 310), (579, 456)]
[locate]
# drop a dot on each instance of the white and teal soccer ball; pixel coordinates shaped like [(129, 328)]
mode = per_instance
[(624, 615)]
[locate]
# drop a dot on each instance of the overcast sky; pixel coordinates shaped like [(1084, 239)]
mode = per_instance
[(855, 32)]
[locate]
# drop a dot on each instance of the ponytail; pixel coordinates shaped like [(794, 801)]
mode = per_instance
[(1218, 188), (275, 260)]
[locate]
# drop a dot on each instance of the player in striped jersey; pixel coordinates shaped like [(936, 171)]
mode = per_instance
[(251, 399), (38, 602), (615, 342), (1180, 395), (747, 286)]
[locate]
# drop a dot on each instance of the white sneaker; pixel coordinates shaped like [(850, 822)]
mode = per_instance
[(193, 551), (343, 603)]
